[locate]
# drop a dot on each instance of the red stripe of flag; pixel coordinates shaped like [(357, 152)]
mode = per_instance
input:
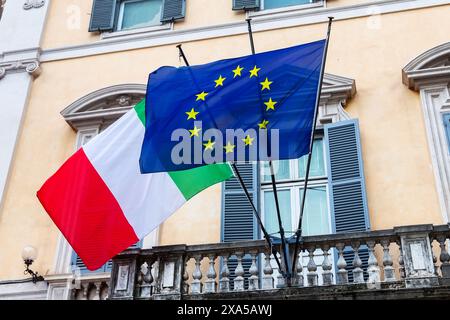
[(84, 209)]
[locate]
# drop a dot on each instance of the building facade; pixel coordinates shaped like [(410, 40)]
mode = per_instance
[(69, 68)]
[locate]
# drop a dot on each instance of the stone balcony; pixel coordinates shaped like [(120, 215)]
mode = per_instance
[(403, 262)]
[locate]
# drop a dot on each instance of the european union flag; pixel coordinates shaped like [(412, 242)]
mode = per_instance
[(256, 107)]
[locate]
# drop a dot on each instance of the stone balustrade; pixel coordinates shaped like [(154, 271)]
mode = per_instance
[(90, 288), (408, 257)]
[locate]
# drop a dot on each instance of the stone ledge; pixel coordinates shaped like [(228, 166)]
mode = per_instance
[(392, 291)]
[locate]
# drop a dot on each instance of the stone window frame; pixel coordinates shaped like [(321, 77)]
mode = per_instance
[(287, 10), (88, 116), (429, 74)]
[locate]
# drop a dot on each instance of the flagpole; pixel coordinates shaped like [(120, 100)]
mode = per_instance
[(241, 181), (298, 233), (284, 246)]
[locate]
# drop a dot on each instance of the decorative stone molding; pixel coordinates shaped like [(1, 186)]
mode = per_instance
[(429, 74), (29, 4), (431, 67), (104, 106), (336, 91), (30, 66)]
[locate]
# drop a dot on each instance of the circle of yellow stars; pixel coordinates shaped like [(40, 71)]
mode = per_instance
[(219, 82)]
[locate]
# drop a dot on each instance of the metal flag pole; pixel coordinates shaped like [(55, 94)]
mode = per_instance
[(241, 181), (284, 246), (298, 233)]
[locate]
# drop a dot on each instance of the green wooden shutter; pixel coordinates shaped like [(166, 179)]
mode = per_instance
[(173, 10), (447, 128), (348, 201), (238, 221), (245, 4), (103, 15)]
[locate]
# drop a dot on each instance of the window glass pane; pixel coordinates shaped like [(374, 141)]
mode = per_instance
[(447, 128), (315, 217), (270, 211), (272, 4), (317, 161), (141, 13), (280, 168)]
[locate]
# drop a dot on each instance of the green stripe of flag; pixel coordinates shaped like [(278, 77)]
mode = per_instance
[(190, 182)]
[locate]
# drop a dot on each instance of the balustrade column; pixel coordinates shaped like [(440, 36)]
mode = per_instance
[(185, 283), (299, 281), (239, 273), (312, 275), (267, 282), (372, 269), (97, 288), (253, 281), (444, 257), (401, 262), (210, 283), (145, 279), (358, 276), (196, 286), (389, 274), (224, 282), (342, 274), (327, 274)]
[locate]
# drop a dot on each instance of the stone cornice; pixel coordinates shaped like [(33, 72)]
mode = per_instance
[(103, 106), (431, 67), (31, 66)]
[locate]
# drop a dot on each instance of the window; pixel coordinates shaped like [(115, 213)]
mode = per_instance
[(139, 13), (117, 15), (447, 129), (290, 176), (273, 4)]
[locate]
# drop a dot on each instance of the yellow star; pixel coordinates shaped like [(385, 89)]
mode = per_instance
[(229, 147), (195, 131), (192, 114), (201, 96), (209, 145), (266, 84), (263, 124), (254, 72), (237, 71), (219, 82), (248, 140), (270, 104)]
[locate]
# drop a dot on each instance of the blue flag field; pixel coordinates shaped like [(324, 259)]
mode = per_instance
[(255, 107)]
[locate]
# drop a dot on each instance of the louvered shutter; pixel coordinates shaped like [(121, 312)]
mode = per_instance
[(245, 4), (173, 10), (447, 128), (238, 222), (348, 202), (103, 15)]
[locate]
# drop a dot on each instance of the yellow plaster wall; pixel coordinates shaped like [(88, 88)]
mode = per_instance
[(68, 20), (399, 178), (67, 24)]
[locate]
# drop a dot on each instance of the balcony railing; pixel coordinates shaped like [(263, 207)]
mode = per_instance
[(407, 258)]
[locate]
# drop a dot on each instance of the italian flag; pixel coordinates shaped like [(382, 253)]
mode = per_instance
[(103, 204)]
